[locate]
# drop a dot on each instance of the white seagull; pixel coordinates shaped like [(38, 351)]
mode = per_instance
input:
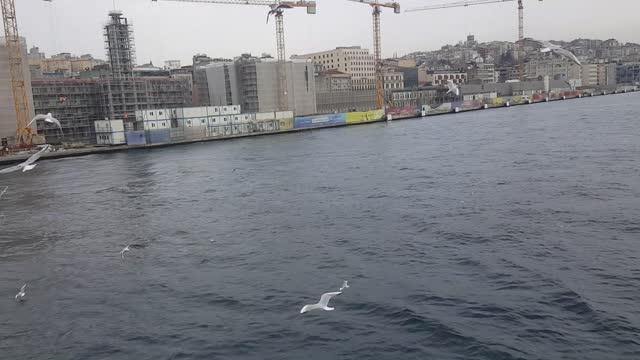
[(345, 285), (546, 46), (278, 8), (47, 118), (322, 304), (27, 165), (453, 88), (126, 248), (20, 295), (3, 191)]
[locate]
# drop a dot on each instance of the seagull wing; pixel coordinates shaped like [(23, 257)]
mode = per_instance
[(324, 299), (11, 169), (22, 288), (569, 55), (56, 122), (36, 156), (36, 118)]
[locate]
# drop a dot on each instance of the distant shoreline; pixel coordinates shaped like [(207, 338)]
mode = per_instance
[(8, 160)]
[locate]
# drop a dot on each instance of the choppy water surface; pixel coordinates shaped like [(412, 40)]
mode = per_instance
[(500, 234)]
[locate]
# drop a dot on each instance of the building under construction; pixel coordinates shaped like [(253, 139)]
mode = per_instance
[(77, 103)]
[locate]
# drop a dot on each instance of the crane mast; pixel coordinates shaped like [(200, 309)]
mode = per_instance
[(277, 9), (377, 43), (24, 133)]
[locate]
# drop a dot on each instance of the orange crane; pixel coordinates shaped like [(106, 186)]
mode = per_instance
[(483, 2), (17, 70), (277, 9), (377, 47)]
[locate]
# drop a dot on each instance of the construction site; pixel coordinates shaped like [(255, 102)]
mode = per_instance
[(78, 102)]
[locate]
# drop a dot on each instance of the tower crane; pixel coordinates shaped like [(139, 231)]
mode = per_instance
[(17, 70), (466, 3), (377, 47), (277, 9)]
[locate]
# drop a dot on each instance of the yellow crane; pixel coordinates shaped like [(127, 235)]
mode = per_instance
[(377, 47), (17, 70), (277, 9), (484, 2)]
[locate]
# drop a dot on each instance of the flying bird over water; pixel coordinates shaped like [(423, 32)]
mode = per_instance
[(322, 304), (20, 295), (453, 88), (3, 191), (126, 248), (27, 165), (345, 285), (47, 118), (546, 46)]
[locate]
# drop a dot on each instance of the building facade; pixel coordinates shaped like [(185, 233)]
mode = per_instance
[(253, 83), (392, 80), (353, 60), (628, 73), (442, 77), (482, 73)]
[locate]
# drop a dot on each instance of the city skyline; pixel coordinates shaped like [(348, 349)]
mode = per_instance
[(200, 28)]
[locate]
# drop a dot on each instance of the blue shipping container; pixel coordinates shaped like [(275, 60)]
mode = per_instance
[(158, 136), (319, 120), (135, 137)]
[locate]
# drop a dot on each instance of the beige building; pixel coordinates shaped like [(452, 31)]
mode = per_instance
[(8, 121), (353, 60), (442, 77), (63, 63), (555, 68), (392, 80), (590, 75)]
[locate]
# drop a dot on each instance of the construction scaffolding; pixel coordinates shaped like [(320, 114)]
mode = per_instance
[(74, 103), (119, 43)]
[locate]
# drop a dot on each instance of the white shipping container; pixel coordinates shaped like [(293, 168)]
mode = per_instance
[(213, 110), (162, 114), (284, 115), (236, 119), (265, 116), (235, 109), (192, 112)]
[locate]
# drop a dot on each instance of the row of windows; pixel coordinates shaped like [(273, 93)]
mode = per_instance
[(452, 77)]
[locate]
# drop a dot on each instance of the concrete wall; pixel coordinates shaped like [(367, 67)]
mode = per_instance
[(217, 85), (8, 121)]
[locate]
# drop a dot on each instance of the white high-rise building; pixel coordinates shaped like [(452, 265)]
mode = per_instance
[(352, 60)]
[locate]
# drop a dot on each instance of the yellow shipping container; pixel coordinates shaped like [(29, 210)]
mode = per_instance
[(286, 124), (364, 116), (497, 101)]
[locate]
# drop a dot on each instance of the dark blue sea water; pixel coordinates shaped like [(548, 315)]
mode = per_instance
[(498, 234)]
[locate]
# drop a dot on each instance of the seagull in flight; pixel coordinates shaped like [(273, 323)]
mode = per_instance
[(453, 88), (126, 248), (3, 191), (47, 118), (20, 295), (322, 304), (345, 285), (546, 46), (27, 165), (275, 9)]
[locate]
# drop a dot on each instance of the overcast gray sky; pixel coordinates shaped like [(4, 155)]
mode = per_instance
[(171, 30)]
